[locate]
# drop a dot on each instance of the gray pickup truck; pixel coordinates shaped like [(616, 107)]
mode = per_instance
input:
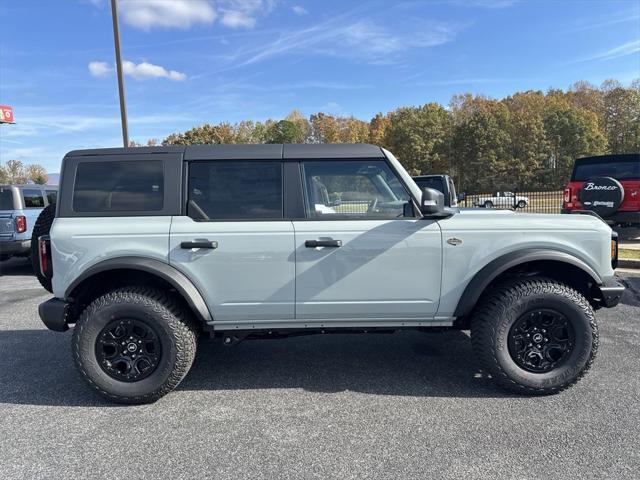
[(151, 247)]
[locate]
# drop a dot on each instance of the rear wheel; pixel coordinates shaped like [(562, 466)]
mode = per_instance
[(41, 227), (134, 345), (535, 335)]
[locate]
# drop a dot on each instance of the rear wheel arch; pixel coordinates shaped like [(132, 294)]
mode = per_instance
[(554, 264), (127, 271)]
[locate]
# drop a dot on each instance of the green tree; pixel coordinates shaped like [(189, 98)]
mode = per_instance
[(621, 117), (37, 174), (418, 136), (285, 131), (15, 172)]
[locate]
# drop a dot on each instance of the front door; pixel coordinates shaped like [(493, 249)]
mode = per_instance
[(234, 244), (362, 254)]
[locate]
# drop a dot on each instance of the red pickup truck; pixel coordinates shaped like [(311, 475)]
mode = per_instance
[(608, 185)]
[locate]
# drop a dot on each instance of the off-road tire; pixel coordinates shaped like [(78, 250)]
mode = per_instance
[(500, 309), (41, 227), (488, 204), (172, 324)]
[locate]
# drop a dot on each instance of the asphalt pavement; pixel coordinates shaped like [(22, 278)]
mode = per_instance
[(406, 405)]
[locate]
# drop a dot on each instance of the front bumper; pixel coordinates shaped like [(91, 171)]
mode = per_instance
[(15, 247), (54, 313), (610, 293)]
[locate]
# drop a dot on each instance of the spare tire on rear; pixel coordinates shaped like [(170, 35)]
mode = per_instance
[(602, 195), (41, 227)]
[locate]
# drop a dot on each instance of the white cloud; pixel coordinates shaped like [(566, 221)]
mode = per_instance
[(145, 70), (363, 40), (629, 48), (140, 71), (236, 19), (148, 14), (99, 69), (299, 10)]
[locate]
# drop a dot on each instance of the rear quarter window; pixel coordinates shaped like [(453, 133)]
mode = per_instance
[(32, 198), (618, 168), (6, 199), (119, 186)]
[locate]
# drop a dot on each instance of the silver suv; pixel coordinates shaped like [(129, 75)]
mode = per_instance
[(151, 247)]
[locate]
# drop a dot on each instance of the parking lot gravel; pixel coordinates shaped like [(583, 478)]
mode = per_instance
[(405, 405)]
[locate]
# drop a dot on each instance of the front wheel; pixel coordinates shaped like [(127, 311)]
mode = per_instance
[(134, 345), (488, 204), (522, 204), (535, 335)]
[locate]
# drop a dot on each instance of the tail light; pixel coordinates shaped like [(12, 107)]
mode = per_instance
[(45, 255), (21, 224), (567, 195), (614, 249)]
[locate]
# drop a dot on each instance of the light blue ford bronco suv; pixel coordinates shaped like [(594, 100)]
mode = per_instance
[(151, 247)]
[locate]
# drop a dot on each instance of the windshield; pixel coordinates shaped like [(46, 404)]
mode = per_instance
[(625, 168)]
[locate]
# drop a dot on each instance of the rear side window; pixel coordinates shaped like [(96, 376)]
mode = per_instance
[(32, 198), (127, 186), (6, 199), (226, 190), (52, 196)]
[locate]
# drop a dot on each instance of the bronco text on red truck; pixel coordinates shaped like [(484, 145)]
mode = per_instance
[(608, 185)]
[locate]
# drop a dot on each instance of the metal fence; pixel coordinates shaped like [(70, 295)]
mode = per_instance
[(530, 202)]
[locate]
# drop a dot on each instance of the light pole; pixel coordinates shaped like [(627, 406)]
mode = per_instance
[(116, 41)]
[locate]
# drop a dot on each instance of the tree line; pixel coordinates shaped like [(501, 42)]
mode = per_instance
[(14, 172), (526, 141)]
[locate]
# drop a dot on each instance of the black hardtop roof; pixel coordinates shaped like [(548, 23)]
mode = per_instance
[(248, 151)]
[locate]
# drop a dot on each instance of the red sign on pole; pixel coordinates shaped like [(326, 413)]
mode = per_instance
[(6, 114)]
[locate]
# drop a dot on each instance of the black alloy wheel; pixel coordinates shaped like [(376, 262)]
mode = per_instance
[(541, 340), (128, 350)]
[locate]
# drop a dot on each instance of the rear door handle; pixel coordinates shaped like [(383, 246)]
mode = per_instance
[(200, 244), (322, 243)]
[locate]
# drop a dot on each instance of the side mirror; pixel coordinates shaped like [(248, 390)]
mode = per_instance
[(432, 203)]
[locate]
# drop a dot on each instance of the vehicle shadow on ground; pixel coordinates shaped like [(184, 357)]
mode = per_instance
[(16, 267), (36, 367)]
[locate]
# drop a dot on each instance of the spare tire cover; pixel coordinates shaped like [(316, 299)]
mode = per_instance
[(602, 195)]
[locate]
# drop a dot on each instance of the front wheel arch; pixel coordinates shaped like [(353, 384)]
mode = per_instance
[(554, 264)]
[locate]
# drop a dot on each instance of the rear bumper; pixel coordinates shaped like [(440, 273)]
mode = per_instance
[(610, 293), (54, 313), (15, 247)]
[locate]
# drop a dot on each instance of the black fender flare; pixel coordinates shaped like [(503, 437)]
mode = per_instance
[(155, 267), (489, 272)]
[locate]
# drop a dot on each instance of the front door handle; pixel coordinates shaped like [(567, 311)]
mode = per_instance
[(199, 244), (322, 243)]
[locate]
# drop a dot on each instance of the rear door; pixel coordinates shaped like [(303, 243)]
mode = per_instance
[(362, 254), (234, 243)]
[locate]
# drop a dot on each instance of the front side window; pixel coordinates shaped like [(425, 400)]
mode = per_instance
[(119, 186), (235, 190), (358, 189), (52, 196), (32, 198)]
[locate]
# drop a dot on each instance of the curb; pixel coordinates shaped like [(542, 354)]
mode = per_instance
[(623, 263)]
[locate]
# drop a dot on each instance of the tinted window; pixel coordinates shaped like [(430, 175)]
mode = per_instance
[(353, 189), (620, 170), (431, 182), (6, 199), (32, 198), (52, 196), (119, 186), (235, 190)]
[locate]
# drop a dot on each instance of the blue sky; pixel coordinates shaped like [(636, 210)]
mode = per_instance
[(195, 61)]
